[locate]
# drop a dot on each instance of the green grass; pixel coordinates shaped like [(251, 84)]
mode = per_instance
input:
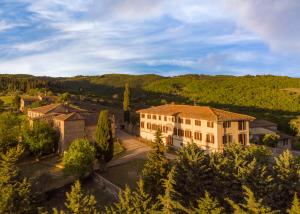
[(125, 174), (7, 99)]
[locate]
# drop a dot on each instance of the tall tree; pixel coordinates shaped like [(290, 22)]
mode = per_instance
[(126, 103), (193, 170), (286, 173), (208, 205), (103, 138), (168, 198), (78, 160), (295, 208), (16, 102), (77, 202), (156, 168), (15, 192), (41, 138), (137, 201), (9, 130), (250, 205)]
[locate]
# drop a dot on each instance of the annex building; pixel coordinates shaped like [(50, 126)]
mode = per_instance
[(208, 127), (71, 123)]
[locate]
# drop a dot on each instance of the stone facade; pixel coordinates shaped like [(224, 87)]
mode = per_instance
[(71, 123)]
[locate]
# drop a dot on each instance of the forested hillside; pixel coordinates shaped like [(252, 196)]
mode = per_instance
[(270, 97)]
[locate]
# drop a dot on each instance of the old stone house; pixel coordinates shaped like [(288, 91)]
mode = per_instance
[(70, 122), (27, 101)]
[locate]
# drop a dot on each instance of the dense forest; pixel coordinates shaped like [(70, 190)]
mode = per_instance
[(270, 97)]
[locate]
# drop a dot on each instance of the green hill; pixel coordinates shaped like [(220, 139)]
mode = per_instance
[(269, 97)]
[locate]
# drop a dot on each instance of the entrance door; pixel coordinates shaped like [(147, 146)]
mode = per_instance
[(170, 140)]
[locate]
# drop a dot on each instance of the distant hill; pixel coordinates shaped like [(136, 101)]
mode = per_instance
[(268, 97)]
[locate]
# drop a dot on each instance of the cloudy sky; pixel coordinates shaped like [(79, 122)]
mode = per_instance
[(166, 37)]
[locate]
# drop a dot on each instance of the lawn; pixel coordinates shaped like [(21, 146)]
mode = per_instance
[(125, 174), (7, 99)]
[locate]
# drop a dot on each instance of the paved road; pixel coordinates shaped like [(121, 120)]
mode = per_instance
[(134, 149)]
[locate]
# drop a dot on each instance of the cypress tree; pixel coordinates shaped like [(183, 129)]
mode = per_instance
[(156, 167), (104, 138), (126, 103)]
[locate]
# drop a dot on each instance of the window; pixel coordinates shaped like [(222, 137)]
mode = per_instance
[(142, 115), (159, 127), (159, 117), (180, 132), (188, 121), (243, 139), (188, 133), (179, 120), (197, 122), (173, 119), (165, 129), (197, 135), (154, 127), (227, 138), (154, 117), (210, 124), (175, 131), (165, 118), (148, 125), (242, 125), (210, 138), (149, 116), (142, 125), (227, 124)]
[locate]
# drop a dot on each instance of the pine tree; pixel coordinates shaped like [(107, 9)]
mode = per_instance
[(126, 103), (168, 200), (15, 192), (104, 138), (137, 201), (286, 180), (194, 174), (77, 202), (207, 205), (156, 167), (251, 205), (295, 209)]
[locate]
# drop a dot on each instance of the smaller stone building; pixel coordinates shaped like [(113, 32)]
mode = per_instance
[(27, 101), (71, 123)]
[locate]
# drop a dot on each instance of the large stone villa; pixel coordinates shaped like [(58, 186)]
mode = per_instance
[(71, 123), (209, 128)]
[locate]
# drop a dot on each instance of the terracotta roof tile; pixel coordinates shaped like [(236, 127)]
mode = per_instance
[(69, 117), (196, 112), (56, 108)]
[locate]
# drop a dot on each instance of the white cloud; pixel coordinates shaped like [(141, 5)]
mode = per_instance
[(275, 21)]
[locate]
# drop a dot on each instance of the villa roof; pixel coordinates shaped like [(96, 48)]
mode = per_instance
[(27, 98), (196, 112), (261, 123), (69, 117), (57, 108)]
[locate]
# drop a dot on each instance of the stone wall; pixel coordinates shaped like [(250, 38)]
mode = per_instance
[(107, 185)]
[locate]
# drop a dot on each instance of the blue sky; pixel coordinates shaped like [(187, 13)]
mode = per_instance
[(93, 37)]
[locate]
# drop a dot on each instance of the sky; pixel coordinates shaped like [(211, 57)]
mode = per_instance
[(165, 37)]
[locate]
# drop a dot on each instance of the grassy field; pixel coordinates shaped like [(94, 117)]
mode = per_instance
[(293, 90), (125, 174), (7, 99)]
